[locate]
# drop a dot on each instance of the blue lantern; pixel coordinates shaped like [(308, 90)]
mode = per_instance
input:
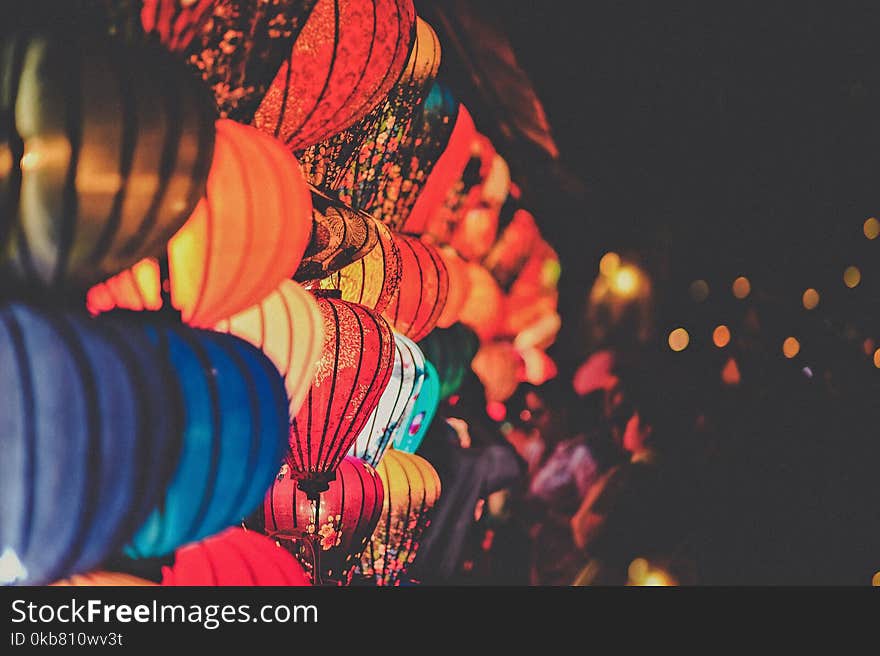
[(411, 431)]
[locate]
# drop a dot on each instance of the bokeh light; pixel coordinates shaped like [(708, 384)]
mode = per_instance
[(679, 339), (871, 228), (699, 290), (730, 373), (852, 276), (741, 287), (609, 263), (877, 358), (721, 336), (810, 298), (625, 281), (791, 347)]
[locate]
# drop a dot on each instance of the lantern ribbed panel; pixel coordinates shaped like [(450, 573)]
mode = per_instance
[(459, 287), (89, 432), (451, 351), (245, 237), (412, 487), (411, 431), (287, 327), (373, 280), (352, 164), (395, 404), (235, 557), (343, 63), (356, 362), (102, 579), (108, 148), (347, 516), (424, 287), (233, 437)]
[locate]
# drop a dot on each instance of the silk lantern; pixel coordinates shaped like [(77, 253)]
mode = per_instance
[(459, 287), (245, 237), (357, 358), (451, 351), (235, 557), (395, 404), (105, 154), (513, 247), (347, 515), (373, 280), (534, 293), (424, 287), (287, 327), (412, 487), (411, 431), (340, 236), (500, 368), (343, 63), (353, 164), (483, 311), (89, 431), (233, 437), (102, 579)]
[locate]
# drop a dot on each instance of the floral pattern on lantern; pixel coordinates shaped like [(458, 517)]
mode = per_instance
[(175, 22)]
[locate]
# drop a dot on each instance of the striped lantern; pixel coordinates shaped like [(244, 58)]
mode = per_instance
[(411, 431), (103, 579), (233, 436), (105, 155), (412, 487), (395, 404), (343, 63), (340, 237), (373, 280), (356, 363), (451, 351), (89, 430), (246, 236), (424, 288), (347, 515), (235, 557), (352, 164)]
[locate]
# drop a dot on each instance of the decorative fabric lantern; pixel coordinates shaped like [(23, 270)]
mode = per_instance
[(105, 155), (355, 366), (424, 287), (343, 63), (287, 327), (234, 557), (396, 403), (513, 248), (411, 431), (412, 487), (483, 311), (500, 369), (245, 237), (174, 22), (352, 164), (102, 579), (373, 280), (89, 432), (233, 436), (451, 351), (239, 47), (477, 229), (459, 287), (347, 515), (534, 293), (340, 237)]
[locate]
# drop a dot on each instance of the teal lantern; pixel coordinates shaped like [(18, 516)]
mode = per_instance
[(411, 431)]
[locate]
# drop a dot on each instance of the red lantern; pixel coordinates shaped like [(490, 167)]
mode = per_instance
[(511, 251), (175, 22), (459, 286), (355, 366), (245, 237), (234, 557), (347, 515), (103, 579), (345, 60), (424, 287)]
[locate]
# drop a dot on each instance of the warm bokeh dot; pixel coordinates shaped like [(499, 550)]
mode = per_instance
[(679, 339), (609, 263), (877, 358), (810, 298), (741, 287), (791, 347), (852, 277), (699, 290), (871, 228), (721, 336)]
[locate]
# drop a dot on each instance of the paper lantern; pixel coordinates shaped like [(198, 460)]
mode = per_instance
[(340, 237), (89, 432), (347, 515), (412, 487), (424, 287), (395, 404), (483, 311), (352, 164), (245, 237), (451, 351), (500, 368), (287, 327), (513, 248), (459, 287), (343, 63), (534, 293), (235, 557), (373, 280), (411, 431), (102, 579), (234, 435), (356, 362), (105, 155)]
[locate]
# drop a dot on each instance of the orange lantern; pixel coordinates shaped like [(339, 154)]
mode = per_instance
[(344, 61), (373, 280), (477, 229), (484, 308), (459, 287), (102, 579), (500, 369), (245, 236), (424, 287), (412, 488), (511, 251), (287, 326), (534, 293)]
